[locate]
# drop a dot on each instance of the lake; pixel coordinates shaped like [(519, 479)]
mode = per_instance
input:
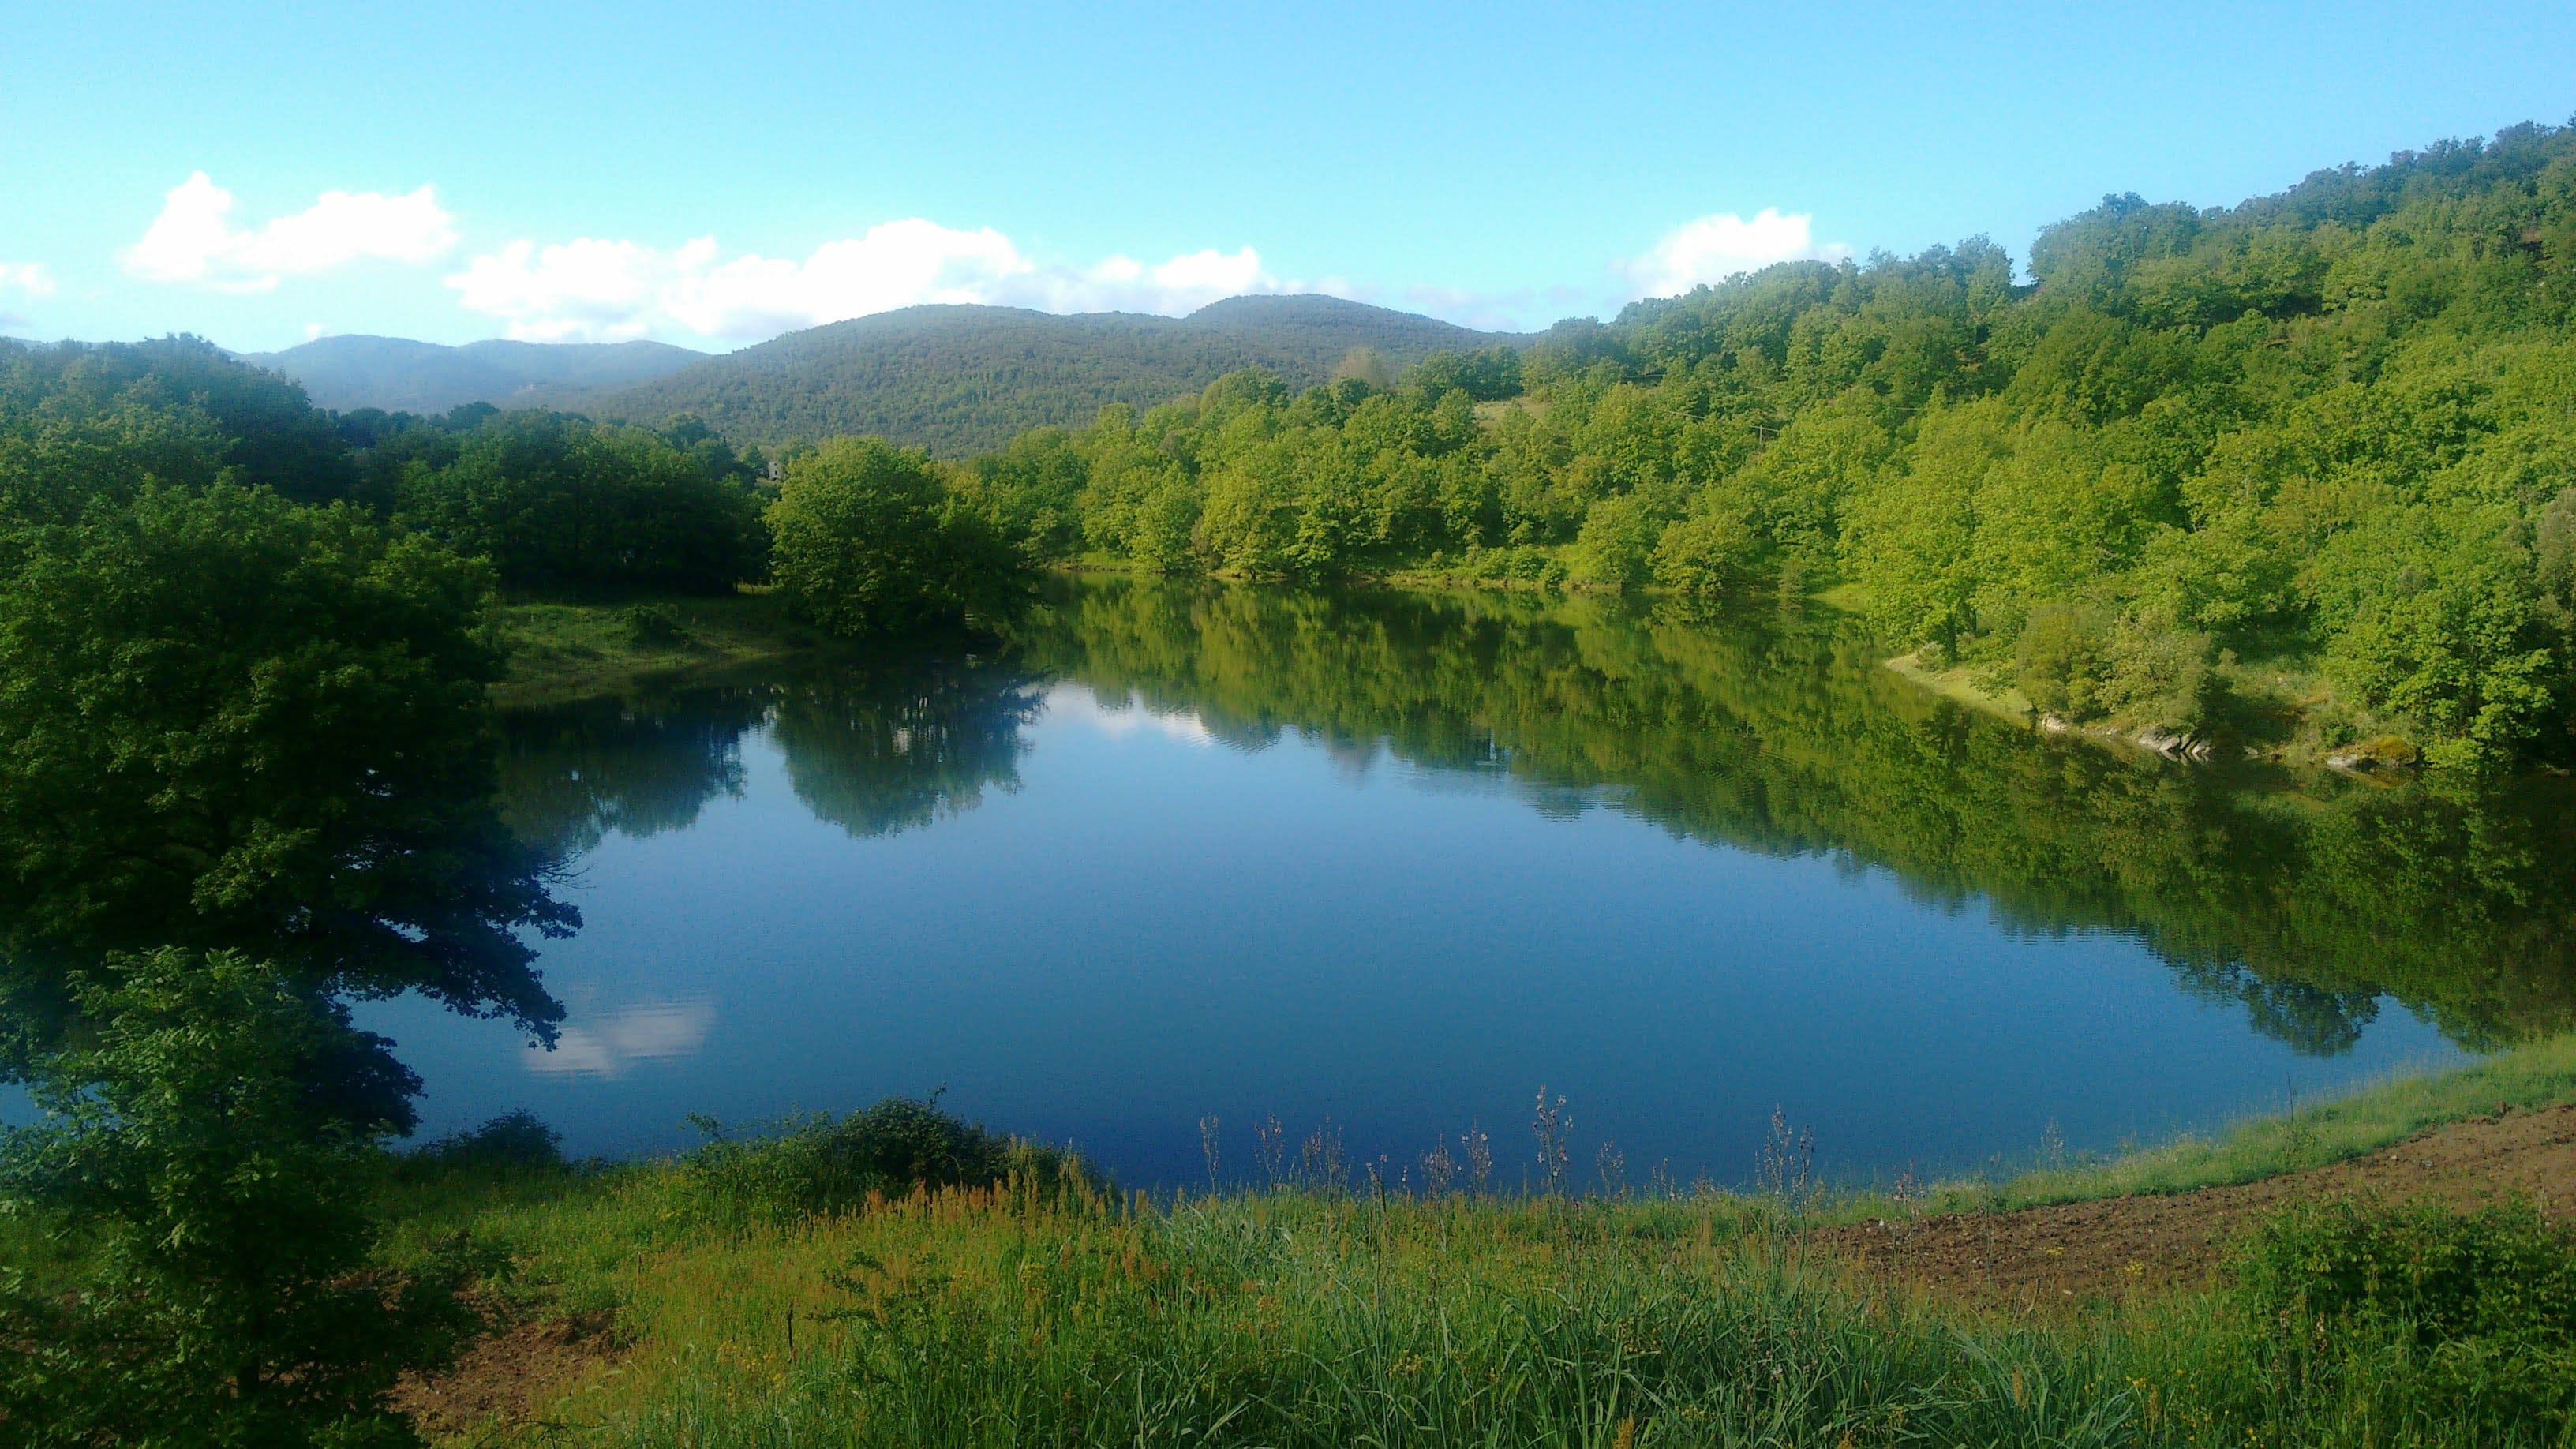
[(1388, 861)]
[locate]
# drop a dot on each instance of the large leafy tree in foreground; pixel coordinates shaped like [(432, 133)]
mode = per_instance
[(217, 1283), (230, 721)]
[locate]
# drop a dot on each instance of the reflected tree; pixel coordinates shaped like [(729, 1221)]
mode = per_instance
[(571, 775), (885, 745), (2305, 899)]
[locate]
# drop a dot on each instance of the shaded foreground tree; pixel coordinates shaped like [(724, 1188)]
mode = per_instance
[(217, 1214), (868, 538), (233, 722)]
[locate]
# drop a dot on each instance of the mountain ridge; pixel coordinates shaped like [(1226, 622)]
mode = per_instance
[(962, 378), (954, 378), (350, 371)]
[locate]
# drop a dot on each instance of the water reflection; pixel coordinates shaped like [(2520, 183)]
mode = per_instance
[(886, 746), (606, 1043), (573, 774), (1777, 735)]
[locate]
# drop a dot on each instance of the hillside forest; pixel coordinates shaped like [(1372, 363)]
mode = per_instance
[(2299, 467)]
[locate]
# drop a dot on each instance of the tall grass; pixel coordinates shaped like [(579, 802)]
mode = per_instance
[(794, 1291), (1026, 1314)]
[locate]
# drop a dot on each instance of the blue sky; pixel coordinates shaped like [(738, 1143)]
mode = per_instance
[(712, 177)]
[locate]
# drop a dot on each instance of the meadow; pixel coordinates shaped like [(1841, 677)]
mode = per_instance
[(819, 1286)]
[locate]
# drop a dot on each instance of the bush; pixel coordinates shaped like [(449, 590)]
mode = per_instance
[(1616, 547), (818, 1165), (2059, 662), (516, 1138), (227, 1289), (2478, 1309), (655, 626), (1714, 551), (2163, 678)]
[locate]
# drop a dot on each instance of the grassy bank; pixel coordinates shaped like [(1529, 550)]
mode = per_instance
[(2333, 1130), (1041, 1309), (561, 651)]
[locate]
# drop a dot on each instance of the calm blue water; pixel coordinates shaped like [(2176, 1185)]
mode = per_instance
[(1096, 920)]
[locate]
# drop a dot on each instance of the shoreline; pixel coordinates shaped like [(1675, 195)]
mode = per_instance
[(640, 1296)]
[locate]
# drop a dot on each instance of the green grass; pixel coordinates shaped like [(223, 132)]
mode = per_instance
[(1958, 685), (560, 651), (1335, 1316), (2335, 1130), (1001, 1316)]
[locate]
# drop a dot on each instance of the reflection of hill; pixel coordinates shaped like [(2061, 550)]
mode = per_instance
[(886, 747), (1787, 738)]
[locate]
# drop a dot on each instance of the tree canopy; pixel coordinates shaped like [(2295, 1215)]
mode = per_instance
[(869, 538), (2320, 432)]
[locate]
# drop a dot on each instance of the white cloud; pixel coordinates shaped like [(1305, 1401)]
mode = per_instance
[(194, 239), (1717, 247), (594, 289), (648, 1031), (28, 277), (1074, 704)]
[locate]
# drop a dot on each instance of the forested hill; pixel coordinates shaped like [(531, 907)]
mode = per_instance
[(400, 375), (2298, 471), (960, 379)]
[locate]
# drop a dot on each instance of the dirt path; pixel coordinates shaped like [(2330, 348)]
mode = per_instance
[(505, 1378), (2074, 1251)]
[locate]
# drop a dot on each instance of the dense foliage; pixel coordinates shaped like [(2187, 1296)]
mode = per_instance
[(245, 772), (820, 1165), (563, 505), (868, 538), (2323, 432), (232, 721), (2473, 1314), (218, 1282), (957, 380)]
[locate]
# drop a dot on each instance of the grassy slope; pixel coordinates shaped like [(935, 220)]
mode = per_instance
[(2334, 1130), (574, 651), (1332, 1317)]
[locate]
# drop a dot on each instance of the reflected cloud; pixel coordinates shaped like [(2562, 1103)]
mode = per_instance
[(1075, 704), (608, 1044)]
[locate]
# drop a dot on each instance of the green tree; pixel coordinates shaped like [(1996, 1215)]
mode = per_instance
[(225, 1290), (560, 503), (231, 721), (868, 538)]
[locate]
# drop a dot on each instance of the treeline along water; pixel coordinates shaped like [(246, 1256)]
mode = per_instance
[(1175, 849)]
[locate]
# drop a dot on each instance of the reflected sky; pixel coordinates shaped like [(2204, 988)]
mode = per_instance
[(1107, 922)]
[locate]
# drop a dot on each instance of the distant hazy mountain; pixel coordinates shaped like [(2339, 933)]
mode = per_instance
[(399, 375), (958, 379)]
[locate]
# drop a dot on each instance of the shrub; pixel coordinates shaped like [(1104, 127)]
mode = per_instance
[(1616, 546), (516, 1138), (2059, 662), (226, 1288), (655, 626), (2163, 678), (1713, 551), (2478, 1309), (816, 1165)]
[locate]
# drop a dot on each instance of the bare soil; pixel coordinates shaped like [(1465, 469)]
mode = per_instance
[(2118, 1247), (507, 1377)]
